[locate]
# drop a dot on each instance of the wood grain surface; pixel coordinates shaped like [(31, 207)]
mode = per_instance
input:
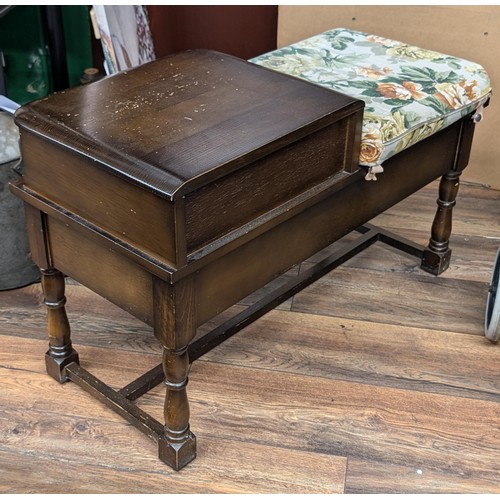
[(376, 379)]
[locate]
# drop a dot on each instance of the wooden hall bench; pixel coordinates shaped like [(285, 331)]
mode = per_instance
[(176, 189)]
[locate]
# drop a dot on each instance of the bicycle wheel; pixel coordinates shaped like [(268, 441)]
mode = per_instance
[(492, 319)]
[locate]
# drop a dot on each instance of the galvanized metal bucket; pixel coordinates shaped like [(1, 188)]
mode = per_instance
[(16, 267)]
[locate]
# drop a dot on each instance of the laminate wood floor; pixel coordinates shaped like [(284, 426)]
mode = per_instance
[(375, 379)]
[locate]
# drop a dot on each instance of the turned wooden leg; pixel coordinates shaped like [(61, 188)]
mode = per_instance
[(60, 352), (436, 258), (177, 445), (174, 326)]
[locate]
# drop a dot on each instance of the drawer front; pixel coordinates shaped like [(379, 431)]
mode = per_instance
[(216, 209)]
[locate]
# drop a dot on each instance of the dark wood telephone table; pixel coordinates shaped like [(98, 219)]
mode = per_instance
[(179, 187)]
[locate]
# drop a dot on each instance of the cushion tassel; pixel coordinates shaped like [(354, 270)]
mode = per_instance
[(370, 175)]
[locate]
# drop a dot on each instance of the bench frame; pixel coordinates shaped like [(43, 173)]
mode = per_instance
[(445, 155)]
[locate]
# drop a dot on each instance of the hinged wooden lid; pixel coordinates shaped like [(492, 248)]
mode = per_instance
[(181, 122)]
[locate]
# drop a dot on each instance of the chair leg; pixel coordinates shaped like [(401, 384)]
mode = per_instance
[(436, 257), (60, 352)]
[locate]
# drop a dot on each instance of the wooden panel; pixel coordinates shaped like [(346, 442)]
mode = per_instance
[(102, 269), (241, 30), (226, 280), (35, 225), (258, 188), (79, 185)]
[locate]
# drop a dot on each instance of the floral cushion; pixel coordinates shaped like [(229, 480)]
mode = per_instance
[(410, 93)]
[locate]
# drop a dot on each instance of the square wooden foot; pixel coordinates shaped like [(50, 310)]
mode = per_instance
[(434, 262), (56, 364), (177, 455)]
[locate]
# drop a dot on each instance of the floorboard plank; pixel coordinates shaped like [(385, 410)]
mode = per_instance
[(229, 471), (477, 212), (389, 426), (420, 300), (472, 256), (366, 352), (276, 411), (372, 477)]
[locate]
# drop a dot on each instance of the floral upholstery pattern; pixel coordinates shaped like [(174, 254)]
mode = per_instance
[(409, 92)]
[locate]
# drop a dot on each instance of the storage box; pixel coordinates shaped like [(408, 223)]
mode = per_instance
[(177, 163)]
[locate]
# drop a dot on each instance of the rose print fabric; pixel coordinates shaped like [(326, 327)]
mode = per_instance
[(409, 92)]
